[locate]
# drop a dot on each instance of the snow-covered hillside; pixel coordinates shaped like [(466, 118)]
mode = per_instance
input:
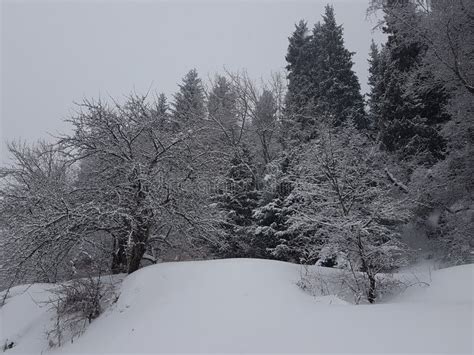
[(246, 305)]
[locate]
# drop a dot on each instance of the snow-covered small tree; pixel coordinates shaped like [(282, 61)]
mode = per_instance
[(346, 201), (237, 198), (272, 214)]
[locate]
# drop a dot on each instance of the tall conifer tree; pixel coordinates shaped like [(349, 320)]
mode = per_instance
[(322, 84), (375, 71), (299, 82), (407, 111), (189, 104), (222, 109), (339, 87), (238, 199)]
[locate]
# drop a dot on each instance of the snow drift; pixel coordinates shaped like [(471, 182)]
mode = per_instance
[(246, 305)]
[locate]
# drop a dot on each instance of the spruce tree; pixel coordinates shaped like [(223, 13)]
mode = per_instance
[(374, 62), (374, 81), (271, 236), (237, 199), (161, 111), (298, 67), (406, 109), (339, 87), (322, 84), (222, 111), (189, 102), (299, 94), (162, 106), (264, 124)]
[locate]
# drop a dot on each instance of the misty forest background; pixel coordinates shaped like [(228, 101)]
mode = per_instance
[(301, 167)]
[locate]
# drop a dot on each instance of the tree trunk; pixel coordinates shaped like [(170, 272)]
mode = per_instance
[(119, 256), (141, 227), (136, 253), (369, 271), (138, 248), (371, 293)]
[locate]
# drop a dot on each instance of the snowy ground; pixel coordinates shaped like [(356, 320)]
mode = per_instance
[(246, 305)]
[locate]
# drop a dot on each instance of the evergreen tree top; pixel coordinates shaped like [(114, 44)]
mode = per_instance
[(329, 17), (189, 100), (162, 106), (191, 78), (332, 34), (374, 50), (297, 41), (222, 100), (317, 28), (221, 87), (321, 80), (374, 62)]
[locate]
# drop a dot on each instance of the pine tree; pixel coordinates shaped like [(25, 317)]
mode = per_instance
[(445, 191), (271, 236), (265, 124), (238, 198), (374, 62), (298, 67), (406, 109), (161, 111), (322, 84), (189, 102), (374, 81), (162, 106), (299, 94), (222, 111), (339, 87)]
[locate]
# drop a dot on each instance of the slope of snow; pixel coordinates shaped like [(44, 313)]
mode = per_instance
[(25, 319), (451, 285), (247, 305)]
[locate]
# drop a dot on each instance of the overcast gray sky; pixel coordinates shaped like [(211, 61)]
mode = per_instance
[(57, 52)]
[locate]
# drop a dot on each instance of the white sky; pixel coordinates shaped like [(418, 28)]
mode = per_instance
[(56, 52)]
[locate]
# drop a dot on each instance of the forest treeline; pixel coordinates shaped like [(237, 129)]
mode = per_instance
[(301, 167)]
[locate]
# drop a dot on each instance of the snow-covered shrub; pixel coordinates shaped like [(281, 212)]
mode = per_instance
[(76, 304), (347, 284), (7, 345), (329, 257), (333, 282)]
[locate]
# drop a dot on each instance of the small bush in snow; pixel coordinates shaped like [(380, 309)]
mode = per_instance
[(76, 304), (7, 345), (347, 284)]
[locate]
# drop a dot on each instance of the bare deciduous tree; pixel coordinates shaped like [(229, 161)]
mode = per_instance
[(118, 184)]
